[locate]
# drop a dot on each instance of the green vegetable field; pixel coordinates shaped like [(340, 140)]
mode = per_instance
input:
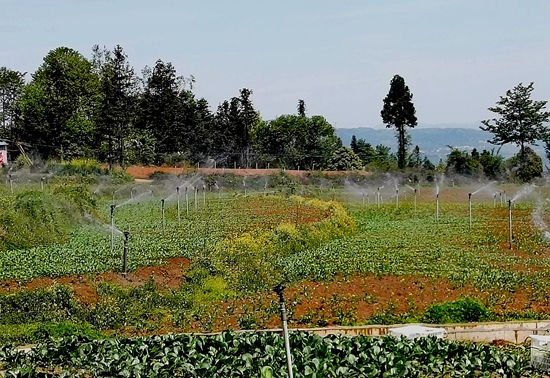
[(345, 259)]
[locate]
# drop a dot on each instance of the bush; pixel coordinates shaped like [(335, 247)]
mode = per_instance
[(526, 167), (463, 310)]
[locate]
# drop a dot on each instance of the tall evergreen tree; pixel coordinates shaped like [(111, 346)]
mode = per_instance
[(160, 108), (399, 112), (353, 143), (521, 120), (301, 108), (117, 102), (12, 84), (57, 107)]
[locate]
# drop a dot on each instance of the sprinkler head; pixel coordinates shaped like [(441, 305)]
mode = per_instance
[(126, 235), (113, 206), (279, 290), (177, 189), (469, 196), (162, 201)]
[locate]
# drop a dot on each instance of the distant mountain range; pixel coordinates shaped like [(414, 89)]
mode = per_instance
[(434, 142)]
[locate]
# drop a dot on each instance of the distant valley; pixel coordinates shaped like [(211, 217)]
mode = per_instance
[(434, 142)]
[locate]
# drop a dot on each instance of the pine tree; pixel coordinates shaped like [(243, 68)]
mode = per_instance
[(399, 112)]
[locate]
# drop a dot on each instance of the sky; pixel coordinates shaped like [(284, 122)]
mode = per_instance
[(457, 57)]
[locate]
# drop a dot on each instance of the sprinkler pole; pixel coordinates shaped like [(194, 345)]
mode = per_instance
[(187, 200), (363, 197), (163, 218), (470, 208), (113, 206), (397, 198), (378, 197), (415, 202), (179, 209), (279, 290), (196, 199), (504, 193), (125, 253), (204, 195), (42, 183), (510, 222), (437, 206), (494, 200), (368, 200)]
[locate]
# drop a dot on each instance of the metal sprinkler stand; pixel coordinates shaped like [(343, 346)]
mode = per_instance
[(279, 289), (470, 208), (510, 222), (42, 183), (163, 218), (437, 206), (125, 253), (397, 198), (179, 211), (187, 200), (113, 206)]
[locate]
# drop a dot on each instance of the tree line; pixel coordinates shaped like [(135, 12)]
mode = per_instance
[(75, 107), (98, 107)]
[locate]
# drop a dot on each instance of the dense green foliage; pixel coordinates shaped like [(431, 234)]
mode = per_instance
[(399, 112), (262, 354), (521, 120), (526, 166)]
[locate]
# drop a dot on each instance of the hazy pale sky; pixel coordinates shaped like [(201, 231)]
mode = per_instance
[(457, 57)]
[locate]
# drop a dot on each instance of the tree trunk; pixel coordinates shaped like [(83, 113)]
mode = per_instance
[(401, 148)]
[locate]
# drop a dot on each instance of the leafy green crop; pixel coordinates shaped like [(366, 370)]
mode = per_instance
[(251, 354)]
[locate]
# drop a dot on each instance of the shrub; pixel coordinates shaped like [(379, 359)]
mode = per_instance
[(462, 310)]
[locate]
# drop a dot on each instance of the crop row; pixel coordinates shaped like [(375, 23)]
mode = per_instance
[(262, 354)]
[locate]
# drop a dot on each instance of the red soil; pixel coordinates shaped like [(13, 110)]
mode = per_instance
[(145, 172), (167, 276)]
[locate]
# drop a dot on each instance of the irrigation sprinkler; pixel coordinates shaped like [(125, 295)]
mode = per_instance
[(378, 197), (179, 209), (368, 200), (11, 184), (470, 208), (396, 198), (363, 197), (244, 186), (132, 192), (504, 194), (437, 206), (163, 217), (510, 222), (279, 289), (196, 190), (494, 200), (204, 195), (415, 202), (113, 206), (187, 200), (125, 253), (42, 183)]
